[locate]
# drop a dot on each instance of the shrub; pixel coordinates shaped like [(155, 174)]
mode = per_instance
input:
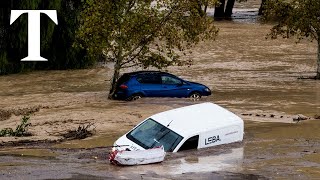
[(21, 129)]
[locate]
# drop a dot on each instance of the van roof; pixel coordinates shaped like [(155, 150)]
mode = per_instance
[(191, 120)]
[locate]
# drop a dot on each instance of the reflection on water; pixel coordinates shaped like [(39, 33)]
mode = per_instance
[(223, 162), (231, 162)]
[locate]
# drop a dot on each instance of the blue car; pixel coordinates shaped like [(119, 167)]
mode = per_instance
[(135, 85)]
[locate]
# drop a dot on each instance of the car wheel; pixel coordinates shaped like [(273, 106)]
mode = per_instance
[(135, 97), (195, 96)]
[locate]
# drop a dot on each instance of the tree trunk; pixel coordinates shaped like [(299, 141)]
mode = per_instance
[(113, 84), (262, 7), (219, 10), (318, 62), (117, 67), (229, 8)]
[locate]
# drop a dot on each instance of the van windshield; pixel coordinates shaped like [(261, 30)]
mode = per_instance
[(151, 134)]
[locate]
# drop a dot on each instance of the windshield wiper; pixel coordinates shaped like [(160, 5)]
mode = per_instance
[(157, 141)]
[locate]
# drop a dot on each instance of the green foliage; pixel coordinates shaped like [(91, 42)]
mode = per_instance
[(144, 33), (21, 129), (295, 18), (6, 132)]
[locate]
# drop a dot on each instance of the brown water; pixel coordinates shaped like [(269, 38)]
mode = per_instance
[(277, 150), (247, 74)]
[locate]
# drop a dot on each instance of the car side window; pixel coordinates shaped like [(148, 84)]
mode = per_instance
[(170, 80), (149, 79), (191, 143)]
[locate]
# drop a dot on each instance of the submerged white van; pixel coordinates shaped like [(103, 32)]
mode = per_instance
[(191, 127)]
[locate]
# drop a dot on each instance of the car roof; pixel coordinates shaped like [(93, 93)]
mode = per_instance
[(146, 72), (191, 120)]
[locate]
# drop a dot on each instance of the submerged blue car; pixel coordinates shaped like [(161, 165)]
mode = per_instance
[(135, 85)]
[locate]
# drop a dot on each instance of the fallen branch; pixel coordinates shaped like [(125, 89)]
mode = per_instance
[(82, 132)]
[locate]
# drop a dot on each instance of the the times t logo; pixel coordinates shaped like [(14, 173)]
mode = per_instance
[(34, 30)]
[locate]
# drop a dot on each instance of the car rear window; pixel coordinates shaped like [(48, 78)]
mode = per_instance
[(123, 79)]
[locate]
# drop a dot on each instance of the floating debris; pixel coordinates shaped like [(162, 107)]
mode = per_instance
[(300, 117), (82, 132)]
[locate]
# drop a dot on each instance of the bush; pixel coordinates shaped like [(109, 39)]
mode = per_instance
[(21, 129)]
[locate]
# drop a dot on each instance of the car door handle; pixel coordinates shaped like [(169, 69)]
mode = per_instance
[(165, 87)]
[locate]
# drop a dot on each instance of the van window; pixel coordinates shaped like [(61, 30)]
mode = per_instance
[(191, 143)]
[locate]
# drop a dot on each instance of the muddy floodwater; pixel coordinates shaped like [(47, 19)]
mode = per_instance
[(254, 77)]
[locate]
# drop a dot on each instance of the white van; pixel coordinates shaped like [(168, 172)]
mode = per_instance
[(191, 127)]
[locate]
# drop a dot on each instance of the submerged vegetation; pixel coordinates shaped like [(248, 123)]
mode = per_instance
[(21, 129), (82, 132)]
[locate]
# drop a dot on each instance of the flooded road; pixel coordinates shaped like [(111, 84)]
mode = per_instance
[(255, 77), (276, 150)]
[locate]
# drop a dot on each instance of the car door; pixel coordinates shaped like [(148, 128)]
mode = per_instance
[(173, 87), (150, 85)]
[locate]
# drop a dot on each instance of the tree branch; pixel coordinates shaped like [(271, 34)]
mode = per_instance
[(133, 65), (133, 58), (145, 41), (130, 5), (315, 33)]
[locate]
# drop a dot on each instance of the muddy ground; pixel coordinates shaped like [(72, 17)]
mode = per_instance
[(254, 77)]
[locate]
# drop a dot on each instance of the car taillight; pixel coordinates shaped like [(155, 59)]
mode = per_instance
[(123, 86)]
